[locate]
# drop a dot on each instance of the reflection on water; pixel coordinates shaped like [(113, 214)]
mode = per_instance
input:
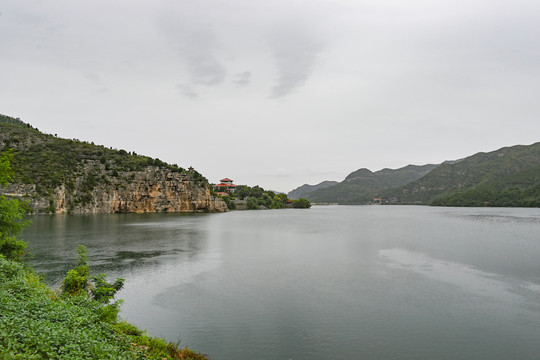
[(467, 278), (116, 243), (347, 282), (503, 219), (497, 215)]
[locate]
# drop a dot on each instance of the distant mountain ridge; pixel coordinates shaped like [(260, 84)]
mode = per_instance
[(302, 191), (509, 176), (362, 185)]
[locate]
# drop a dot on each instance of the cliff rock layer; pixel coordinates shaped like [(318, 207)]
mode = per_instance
[(57, 175), (150, 190)]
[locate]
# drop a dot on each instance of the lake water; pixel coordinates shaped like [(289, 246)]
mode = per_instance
[(330, 282)]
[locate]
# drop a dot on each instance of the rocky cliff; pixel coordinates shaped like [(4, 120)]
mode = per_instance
[(150, 190), (69, 176)]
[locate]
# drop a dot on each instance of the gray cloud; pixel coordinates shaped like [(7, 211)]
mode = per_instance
[(204, 68), (187, 90), (97, 81), (196, 44), (243, 78), (295, 53)]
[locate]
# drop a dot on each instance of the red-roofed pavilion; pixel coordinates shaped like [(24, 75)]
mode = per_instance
[(225, 185)]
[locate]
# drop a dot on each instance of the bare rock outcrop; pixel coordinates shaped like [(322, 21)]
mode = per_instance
[(152, 190)]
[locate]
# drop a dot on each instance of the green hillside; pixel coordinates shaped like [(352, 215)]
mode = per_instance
[(506, 177), (361, 186), (302, 191), (47, 163), (4, 119)]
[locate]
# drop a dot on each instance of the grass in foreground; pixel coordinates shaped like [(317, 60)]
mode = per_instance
[(38, 323)]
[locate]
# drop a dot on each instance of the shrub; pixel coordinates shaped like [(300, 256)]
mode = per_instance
[(252, 203), (301, 204), (11, 214), (37, 325), (126, 328), (77, 281)]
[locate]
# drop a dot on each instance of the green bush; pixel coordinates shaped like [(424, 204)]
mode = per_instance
[(36, 324), (126, 328), (77, 280), (252, 204), (11, 214), (230, 205), (301, 204), (266, 198)]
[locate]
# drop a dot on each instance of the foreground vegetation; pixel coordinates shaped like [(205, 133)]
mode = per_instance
[(78, 321), (39, 323)]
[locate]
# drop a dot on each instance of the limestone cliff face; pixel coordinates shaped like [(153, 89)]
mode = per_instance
[(58, 175), (152, 190)]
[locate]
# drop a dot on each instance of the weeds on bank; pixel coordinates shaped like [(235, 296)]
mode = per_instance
[(39, 323)]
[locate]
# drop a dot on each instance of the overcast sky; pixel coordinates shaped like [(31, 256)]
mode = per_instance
[(277, 93)]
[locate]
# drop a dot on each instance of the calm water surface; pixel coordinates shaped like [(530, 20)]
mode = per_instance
[(336, 282)]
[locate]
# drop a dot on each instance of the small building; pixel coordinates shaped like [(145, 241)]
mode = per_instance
[(227, 181), (225, 186)]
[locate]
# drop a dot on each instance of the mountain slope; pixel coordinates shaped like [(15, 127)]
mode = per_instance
[(302, 191), (509, 176), (62, 175), (362, 185)]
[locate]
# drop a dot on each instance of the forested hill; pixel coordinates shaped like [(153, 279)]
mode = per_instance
[(63, 175), (506, 177), (4, 119), (362, 185), (302, 191)]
